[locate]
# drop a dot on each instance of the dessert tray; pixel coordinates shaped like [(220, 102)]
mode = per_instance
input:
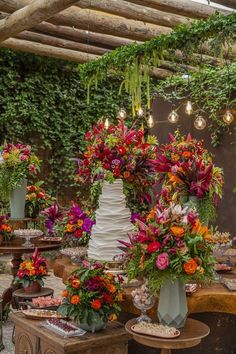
[(229, 283), (64, 328), (45, 302), (190, 288), (40, 314), (50, 239), (155, 330)]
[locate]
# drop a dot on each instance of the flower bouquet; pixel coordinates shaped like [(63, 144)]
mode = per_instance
[(171, 249), (5, 229), (92, 297), (172, 244), (32, 272), (186, 170), (16, 163), (36, 200), (120, 153), (75, 228)]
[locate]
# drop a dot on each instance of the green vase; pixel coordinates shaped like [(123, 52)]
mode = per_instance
[(17, 200), (172, 306), (94, 327)]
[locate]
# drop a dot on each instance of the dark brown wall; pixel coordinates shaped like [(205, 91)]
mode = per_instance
[(225, 157)]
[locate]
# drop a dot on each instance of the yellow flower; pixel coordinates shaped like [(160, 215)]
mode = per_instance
[(80, 222), (70, 228), (112, 317)]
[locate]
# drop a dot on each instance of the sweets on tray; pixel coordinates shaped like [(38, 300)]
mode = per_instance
[(46, 301), (222, 267), (229, 283), (64, 328), (40, 314), (221, 238), (155, 329)]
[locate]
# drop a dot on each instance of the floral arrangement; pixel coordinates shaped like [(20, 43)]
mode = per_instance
[(33, 269), (186, 169), (76, 226), (171, 244), (91, 295), (37, 199), (16, 163), (119, 152), (5, 228), (52, 215)]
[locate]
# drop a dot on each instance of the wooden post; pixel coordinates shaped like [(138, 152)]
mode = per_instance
[(30, 15)]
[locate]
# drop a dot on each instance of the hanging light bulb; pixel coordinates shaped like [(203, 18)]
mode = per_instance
[(107, 123), (228, 117), (200, 123), (189, 108), (140, 112), (173, 117), (150, 121), (122, 113)]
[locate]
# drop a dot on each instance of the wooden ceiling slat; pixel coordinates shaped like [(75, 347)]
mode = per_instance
[(61, 43), (181, 7), (30, 15), (47, 50), (228, 3), (134, 11)]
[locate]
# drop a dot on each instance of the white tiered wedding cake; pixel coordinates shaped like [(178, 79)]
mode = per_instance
[(112, 223)]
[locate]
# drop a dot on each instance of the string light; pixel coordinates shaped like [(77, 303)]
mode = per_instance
[(228, 117), (140, 112), (200, 123), (150, 121), (122, 113), (107, 123), (189, 108), (173, 117)]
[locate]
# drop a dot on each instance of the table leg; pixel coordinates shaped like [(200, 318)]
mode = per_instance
[(165, 351)]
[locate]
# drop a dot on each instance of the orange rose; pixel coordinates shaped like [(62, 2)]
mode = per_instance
[(75, 283), (65, 293), (75, 300), (96, 304), (126, 174), (186, 154), (111, 288), (190, 266), (177, 231)]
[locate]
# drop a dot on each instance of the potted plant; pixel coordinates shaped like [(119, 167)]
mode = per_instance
[(170, 249), (189, 174), (16, 163), (31, 273), (92, 297), (36, 200), (5, 229)]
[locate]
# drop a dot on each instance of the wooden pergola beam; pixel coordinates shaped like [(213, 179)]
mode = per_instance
[(228, 3), (60, 42), (96, 21), (47, 50), (181, 7), (134, 12), (30, 15)]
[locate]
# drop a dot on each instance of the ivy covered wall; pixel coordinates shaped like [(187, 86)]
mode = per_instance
[(43, 103)]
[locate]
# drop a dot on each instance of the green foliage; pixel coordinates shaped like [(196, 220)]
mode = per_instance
[(134, 62), (43, 103)]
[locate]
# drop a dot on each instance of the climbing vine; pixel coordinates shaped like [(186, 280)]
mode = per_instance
[(43, 103)]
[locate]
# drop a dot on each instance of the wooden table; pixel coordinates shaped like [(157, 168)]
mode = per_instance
[(191, 335), (32, 338), (15, 248)]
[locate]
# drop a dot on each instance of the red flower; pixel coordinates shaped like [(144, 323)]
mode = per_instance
[(78, 233), (121, 150), (96, 304), (153, 247), (41, 195), (108, 298)]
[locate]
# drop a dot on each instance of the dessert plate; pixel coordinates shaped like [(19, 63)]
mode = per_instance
[(155, 330), (222, 267), (41, 314)]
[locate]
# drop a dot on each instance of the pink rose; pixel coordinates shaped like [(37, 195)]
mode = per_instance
[(24, 157), (32, 168), (162, 261)]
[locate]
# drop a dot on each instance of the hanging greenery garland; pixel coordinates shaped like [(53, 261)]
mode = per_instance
[(136, 60)]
